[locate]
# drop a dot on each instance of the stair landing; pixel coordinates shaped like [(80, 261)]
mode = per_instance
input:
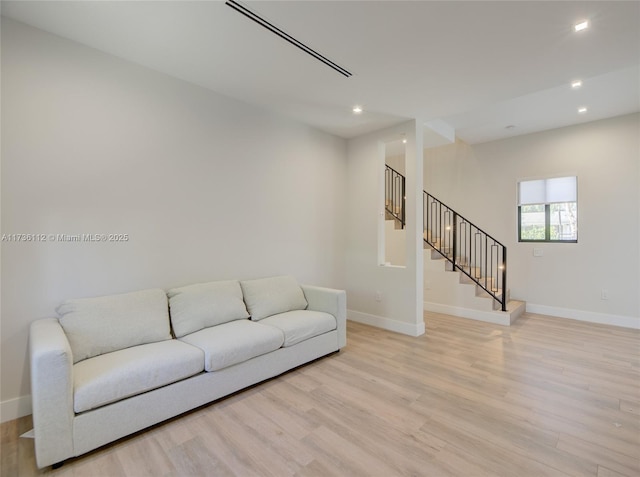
[(515, 309)]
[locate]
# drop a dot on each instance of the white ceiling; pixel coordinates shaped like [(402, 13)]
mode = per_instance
[(478, 65)]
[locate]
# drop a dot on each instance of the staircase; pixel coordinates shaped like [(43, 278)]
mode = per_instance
[(465, 268), (477, 261), (395, 198), (451, 292)]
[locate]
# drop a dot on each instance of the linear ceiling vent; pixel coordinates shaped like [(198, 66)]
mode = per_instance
[(285, 36)]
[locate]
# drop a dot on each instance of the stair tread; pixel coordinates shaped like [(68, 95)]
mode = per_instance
[(512, 305)]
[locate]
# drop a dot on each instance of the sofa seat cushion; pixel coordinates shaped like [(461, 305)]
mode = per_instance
[(100, 325), (234, 342), (199, 306), (114, 376), (301, 325)]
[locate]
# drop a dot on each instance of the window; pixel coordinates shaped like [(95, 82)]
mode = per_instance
[(548, 210)]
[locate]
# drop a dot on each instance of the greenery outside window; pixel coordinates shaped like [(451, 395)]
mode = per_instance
[(548, 210)]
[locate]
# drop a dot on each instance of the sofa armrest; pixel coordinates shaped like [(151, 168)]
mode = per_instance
[(330, 301), (51, 391)]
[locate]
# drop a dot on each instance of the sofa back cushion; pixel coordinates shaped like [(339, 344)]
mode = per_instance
[(269, 296), (96, 326), (200, 306)]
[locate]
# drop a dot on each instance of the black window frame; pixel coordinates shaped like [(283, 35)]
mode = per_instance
[(547, 227)]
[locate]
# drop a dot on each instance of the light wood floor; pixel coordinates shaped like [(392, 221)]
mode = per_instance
[(546, 397)]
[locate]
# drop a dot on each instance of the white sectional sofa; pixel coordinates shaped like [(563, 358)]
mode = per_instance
[(111, 366)]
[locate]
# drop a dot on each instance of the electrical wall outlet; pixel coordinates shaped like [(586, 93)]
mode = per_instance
[(537, 252), (378, 296), (604, 294)]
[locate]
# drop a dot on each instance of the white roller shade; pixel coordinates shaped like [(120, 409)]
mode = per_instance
[(532, 192), (548, 191), (561, 189)]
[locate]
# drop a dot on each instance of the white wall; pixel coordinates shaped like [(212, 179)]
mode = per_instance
[(480, 182), (206, 187), (400, 308), (395, 243), (397, 162)]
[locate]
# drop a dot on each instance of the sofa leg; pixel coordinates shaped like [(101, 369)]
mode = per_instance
[(57, 465)]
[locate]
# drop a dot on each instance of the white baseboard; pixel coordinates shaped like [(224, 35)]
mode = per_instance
[(14, 408), (487, 316), (589, 316), (390, 324)]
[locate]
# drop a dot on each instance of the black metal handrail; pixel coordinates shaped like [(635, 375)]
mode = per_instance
[(394, 200), (470, 249)]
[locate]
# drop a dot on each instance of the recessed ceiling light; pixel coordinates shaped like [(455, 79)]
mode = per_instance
[(576, 84), (510, 126), (404, 141), (583, 25), (357, 110), (582, 109)]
